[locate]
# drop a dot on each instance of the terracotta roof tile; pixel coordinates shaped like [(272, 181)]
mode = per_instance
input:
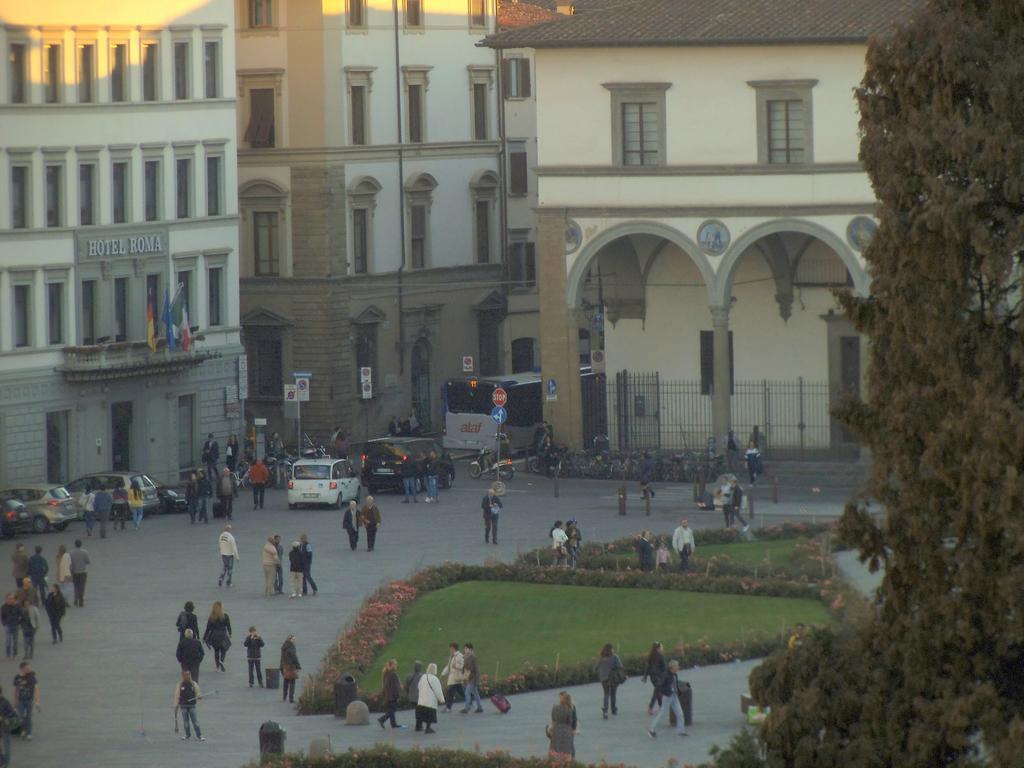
[(514, 14), (710, 22)]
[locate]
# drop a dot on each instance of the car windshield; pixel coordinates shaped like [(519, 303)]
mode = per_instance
[(311, 472), (60, 493), (143, 480), (387, 449)]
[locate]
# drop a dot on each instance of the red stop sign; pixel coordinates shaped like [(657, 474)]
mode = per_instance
[(499, 397)]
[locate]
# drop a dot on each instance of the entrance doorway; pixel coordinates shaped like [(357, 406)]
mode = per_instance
[(121, 436), (421, 384), (57, 447)]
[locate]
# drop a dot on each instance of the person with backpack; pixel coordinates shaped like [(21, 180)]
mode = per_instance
[(56, 607), (669, 691), (253, 655), (491, 506), (186, 699), (611, 674), (187, 620)]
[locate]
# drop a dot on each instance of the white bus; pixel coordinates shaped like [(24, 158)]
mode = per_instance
[(467, 411)]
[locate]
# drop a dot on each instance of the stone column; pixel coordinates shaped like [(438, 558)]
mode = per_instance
[(721, 400), (559, 338)]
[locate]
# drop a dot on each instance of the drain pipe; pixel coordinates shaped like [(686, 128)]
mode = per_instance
[(401, 191)]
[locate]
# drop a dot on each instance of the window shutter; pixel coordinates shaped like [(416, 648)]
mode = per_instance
[(531, 264), (506, 78), (358, 115), (517, 173), (419, 221), (524, 77)]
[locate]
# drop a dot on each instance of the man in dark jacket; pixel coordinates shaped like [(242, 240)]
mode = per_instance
[(187, 620), (211, 452), (491, 506), (669, 691), (646, 551), (296, 568), (736, 502), (350, 522), (253, 654), (190, 654), (471, 673), (307, 565), (10, 617), (37, 570), (408, 471)]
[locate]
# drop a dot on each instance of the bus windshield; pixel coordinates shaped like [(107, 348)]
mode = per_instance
[(463, 398)]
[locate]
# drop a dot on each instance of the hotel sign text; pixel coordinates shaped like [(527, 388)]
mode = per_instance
[(106, 245)]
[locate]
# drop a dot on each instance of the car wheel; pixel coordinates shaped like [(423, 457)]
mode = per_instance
[(449, 478), (40, 524), (61, 527), (337, 501), (420, 486)]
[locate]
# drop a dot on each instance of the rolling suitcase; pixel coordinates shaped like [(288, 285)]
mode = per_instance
[(273, 677), (218, 509), (501, 703)]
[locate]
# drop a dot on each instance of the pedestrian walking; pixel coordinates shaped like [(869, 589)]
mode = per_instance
[(190, 654), (253, 655), (9, 720), (296, 567), (670, 692), (574, 541), (412, 682), (56, 608), (390, 693), (135, 502), (228, 555), (431, 696), (36, 570), (562, 731), (29, 626), (218, 634), (655, 671), (683, 543), (611, 674), (20, 559), (290, 668), (79, 570), (26, 692), (370, 520), (307, 562), (103, 503), (187, 619), (491, 506), (205, 492), (231, 453), (210, 454), (755, 466), (559, 543), (430, 471), (88, 503), (646, 476), (350, 522), (192, 497), (271, 562), (455, 669), (64, 570), (226, 492), (10, 617), (120, 507), (26, 593), (645, 550), (408, 473), (279, 574), (471, 669), (736, 497), (186, 699), (258, 477)]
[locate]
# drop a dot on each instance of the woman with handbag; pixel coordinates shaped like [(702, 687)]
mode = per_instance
[(218, 634), (431, 696), (289, 669), (612, 674), (564, 725)]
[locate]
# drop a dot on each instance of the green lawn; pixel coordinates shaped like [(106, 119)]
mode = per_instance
[(751, 552), (511, 624)]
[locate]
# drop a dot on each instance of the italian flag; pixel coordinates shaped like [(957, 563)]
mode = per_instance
[(179, 317)]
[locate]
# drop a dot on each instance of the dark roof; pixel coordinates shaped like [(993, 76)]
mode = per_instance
[(628, 23)]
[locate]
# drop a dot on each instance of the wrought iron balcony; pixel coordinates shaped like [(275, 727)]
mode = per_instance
[(128, 359)]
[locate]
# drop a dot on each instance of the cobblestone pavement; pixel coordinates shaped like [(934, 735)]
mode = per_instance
[(106, 692)]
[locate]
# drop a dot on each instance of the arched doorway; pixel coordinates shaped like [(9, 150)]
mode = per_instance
[(421, 388)]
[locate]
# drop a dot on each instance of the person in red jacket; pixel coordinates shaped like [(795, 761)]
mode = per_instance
[(258, 476)]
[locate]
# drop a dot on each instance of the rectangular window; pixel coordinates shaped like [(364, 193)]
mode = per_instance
[(517, 78), (121, 308), (414, 13), (184, 284), (214, 285), (19, 197), (360, 240), (52, 72), (483, 231), (478, 13), (261, 13), (787, 136), (55, 313), (186, 431), (151, 183), (17, 57), (260, 132), (522, 264), (181, 71), (265, 241), (183, 187), (357, 13), (639, 133), (211, 68), (480, 111), (707, 363), (415, 97), (22, 315), (358, 96), (269, 369), (88, 312), (86, 194), (517, 166), (418, 235), (119, 72), (150, 71), (86, 73), (213, 185), (54, 196), (119, 190)]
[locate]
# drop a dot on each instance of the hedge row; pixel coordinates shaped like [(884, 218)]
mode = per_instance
[(390, 757)]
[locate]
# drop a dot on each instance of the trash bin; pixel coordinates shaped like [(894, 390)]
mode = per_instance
[(685, 702), (345, 692), (271, 739), (273, 675)]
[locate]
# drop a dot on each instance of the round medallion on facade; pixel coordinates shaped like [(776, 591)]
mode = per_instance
[(860, 231), (573, 236), (713, 237)]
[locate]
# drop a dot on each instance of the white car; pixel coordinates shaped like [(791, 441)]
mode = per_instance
[(322, 481)]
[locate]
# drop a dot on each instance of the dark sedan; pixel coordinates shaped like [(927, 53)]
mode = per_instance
[(384, 459), (14, 517)]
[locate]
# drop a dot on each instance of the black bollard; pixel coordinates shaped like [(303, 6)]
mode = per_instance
[(622, 500)]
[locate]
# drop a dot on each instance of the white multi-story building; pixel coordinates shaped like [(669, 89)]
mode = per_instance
[(370, 204), (118, 179)]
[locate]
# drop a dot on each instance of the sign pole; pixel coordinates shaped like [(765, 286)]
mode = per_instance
[(298, 411)]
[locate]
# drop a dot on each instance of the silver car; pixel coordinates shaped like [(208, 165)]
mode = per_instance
[(112, 480), (50, 506)]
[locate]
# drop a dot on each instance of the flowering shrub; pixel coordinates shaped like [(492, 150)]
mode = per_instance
[(386, 756)]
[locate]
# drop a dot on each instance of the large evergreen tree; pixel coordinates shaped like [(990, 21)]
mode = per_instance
[(937, 677)]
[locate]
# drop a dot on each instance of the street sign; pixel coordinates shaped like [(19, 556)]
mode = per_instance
[(499, 396), (552, 390), (243, 377), (467, 363), (365, 374), (367, 389), (302, 385), (499, 414), (291, 393)]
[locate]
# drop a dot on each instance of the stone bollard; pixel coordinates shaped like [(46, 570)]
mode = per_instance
[(357, 713)]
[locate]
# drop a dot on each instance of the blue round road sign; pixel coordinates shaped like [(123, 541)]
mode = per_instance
[(499, 414)]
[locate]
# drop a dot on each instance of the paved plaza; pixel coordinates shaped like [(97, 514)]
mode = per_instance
[(106, 692)]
